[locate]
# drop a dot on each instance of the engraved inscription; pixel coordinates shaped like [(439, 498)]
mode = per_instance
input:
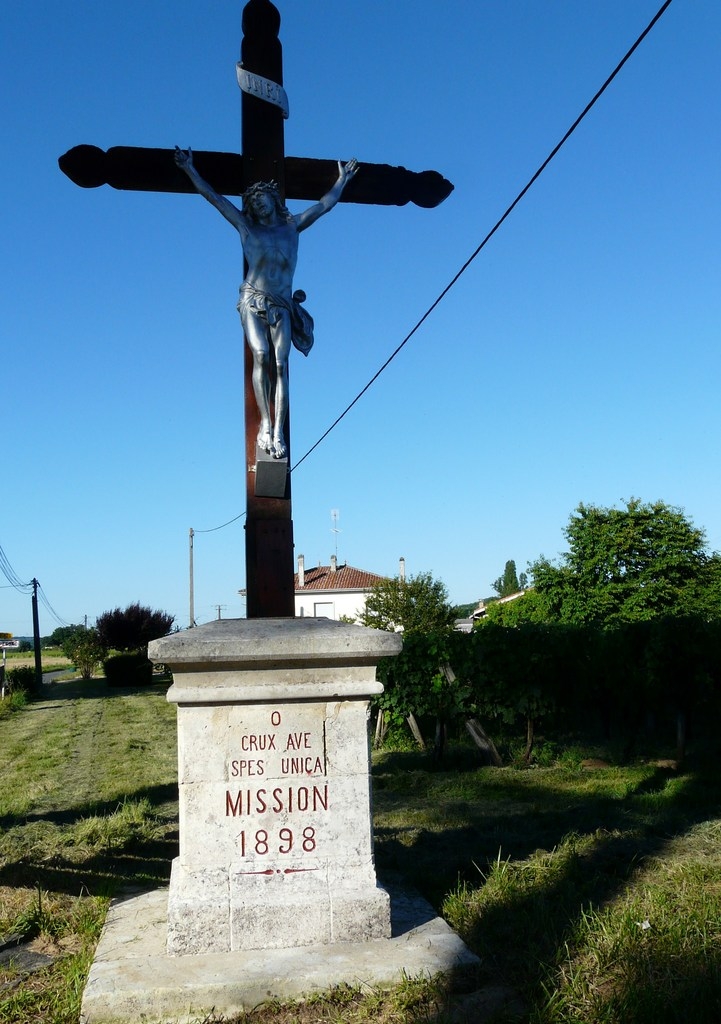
[(281, 796), (249, 802), (285, 752)]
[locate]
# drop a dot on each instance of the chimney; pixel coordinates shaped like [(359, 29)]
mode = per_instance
[(301, 571), (402, 570), (333, 563)]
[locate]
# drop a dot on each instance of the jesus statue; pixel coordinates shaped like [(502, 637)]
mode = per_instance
[(270, 313)]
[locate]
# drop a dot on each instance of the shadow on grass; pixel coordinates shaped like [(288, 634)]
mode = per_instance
[(138, 862), (521, 938), (519, 935), (156, 795), (663, 990), (94, 689), (520, 817), (146, 866), (133, 859)]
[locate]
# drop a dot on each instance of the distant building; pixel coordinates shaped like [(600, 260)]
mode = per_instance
[(334, 591), (480, 611), (464, 625)]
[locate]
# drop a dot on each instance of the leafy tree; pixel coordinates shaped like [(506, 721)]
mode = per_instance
[(521, 673), (532, 607), (508, 583), (421, 682), (58, 636), (418, 604), (630, 564), (65, 637), (85, 650), (414, 681), (132, 628), (419, 607), (681, 662)]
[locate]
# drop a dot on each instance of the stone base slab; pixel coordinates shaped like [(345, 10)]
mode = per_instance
[(132, 978)]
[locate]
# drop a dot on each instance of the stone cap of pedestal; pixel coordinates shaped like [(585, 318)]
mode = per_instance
[(256, 660)]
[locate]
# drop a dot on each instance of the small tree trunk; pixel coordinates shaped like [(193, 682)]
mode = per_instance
[(378, 729), (413, 726), (381, 728), (441, 737), (529, 740), (448, 673), (484, 742)]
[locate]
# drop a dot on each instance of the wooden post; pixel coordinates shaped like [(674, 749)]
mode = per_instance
[(268, 525)]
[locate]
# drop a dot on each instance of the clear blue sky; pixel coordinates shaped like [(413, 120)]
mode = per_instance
[(577, 359)]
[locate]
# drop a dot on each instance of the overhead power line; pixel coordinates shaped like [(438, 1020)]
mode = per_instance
[(26, 588), (222, 525), (493, 230), (43, 597), (12, 577)]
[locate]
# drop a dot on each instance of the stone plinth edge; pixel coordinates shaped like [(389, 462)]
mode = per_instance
[(275, 642), (259, 660)]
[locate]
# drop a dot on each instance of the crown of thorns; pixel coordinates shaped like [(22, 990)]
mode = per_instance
[(261, 188)]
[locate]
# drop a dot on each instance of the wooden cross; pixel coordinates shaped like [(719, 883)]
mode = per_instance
[(269, 529)]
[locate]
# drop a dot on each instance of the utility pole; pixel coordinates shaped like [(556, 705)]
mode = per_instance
[(36, 639)]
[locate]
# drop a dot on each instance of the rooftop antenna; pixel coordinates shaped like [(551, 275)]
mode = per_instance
[(334, 514)]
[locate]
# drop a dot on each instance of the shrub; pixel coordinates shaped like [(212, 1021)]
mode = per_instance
[(21, 678), (128, 670), (15, 702), (132, 628), (85, 651)]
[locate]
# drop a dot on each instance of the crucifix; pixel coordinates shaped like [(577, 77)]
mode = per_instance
[(264, 105)]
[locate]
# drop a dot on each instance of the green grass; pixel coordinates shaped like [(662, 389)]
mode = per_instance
[(613, 935), (14, 701), (550, 874), (87, 806)]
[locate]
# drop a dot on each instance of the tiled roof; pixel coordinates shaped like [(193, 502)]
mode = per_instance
[(346, 577)]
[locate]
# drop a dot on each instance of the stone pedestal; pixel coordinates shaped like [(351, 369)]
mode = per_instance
[(276, 845)]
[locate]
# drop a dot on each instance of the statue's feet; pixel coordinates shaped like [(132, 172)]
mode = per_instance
[(279, 448), (264, 440)]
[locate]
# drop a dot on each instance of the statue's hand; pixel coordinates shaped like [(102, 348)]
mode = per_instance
[(347, 172), (183, 159)]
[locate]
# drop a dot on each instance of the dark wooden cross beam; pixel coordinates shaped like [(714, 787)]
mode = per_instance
[(140, 169), (269, 528)]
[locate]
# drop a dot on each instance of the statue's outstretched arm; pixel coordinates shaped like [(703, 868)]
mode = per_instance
[(310, 216), (184, 160)]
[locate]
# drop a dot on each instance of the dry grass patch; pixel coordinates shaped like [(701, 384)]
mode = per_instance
[(63, 931)]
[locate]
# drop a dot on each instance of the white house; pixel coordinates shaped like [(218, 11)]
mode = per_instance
[(334, 591)]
